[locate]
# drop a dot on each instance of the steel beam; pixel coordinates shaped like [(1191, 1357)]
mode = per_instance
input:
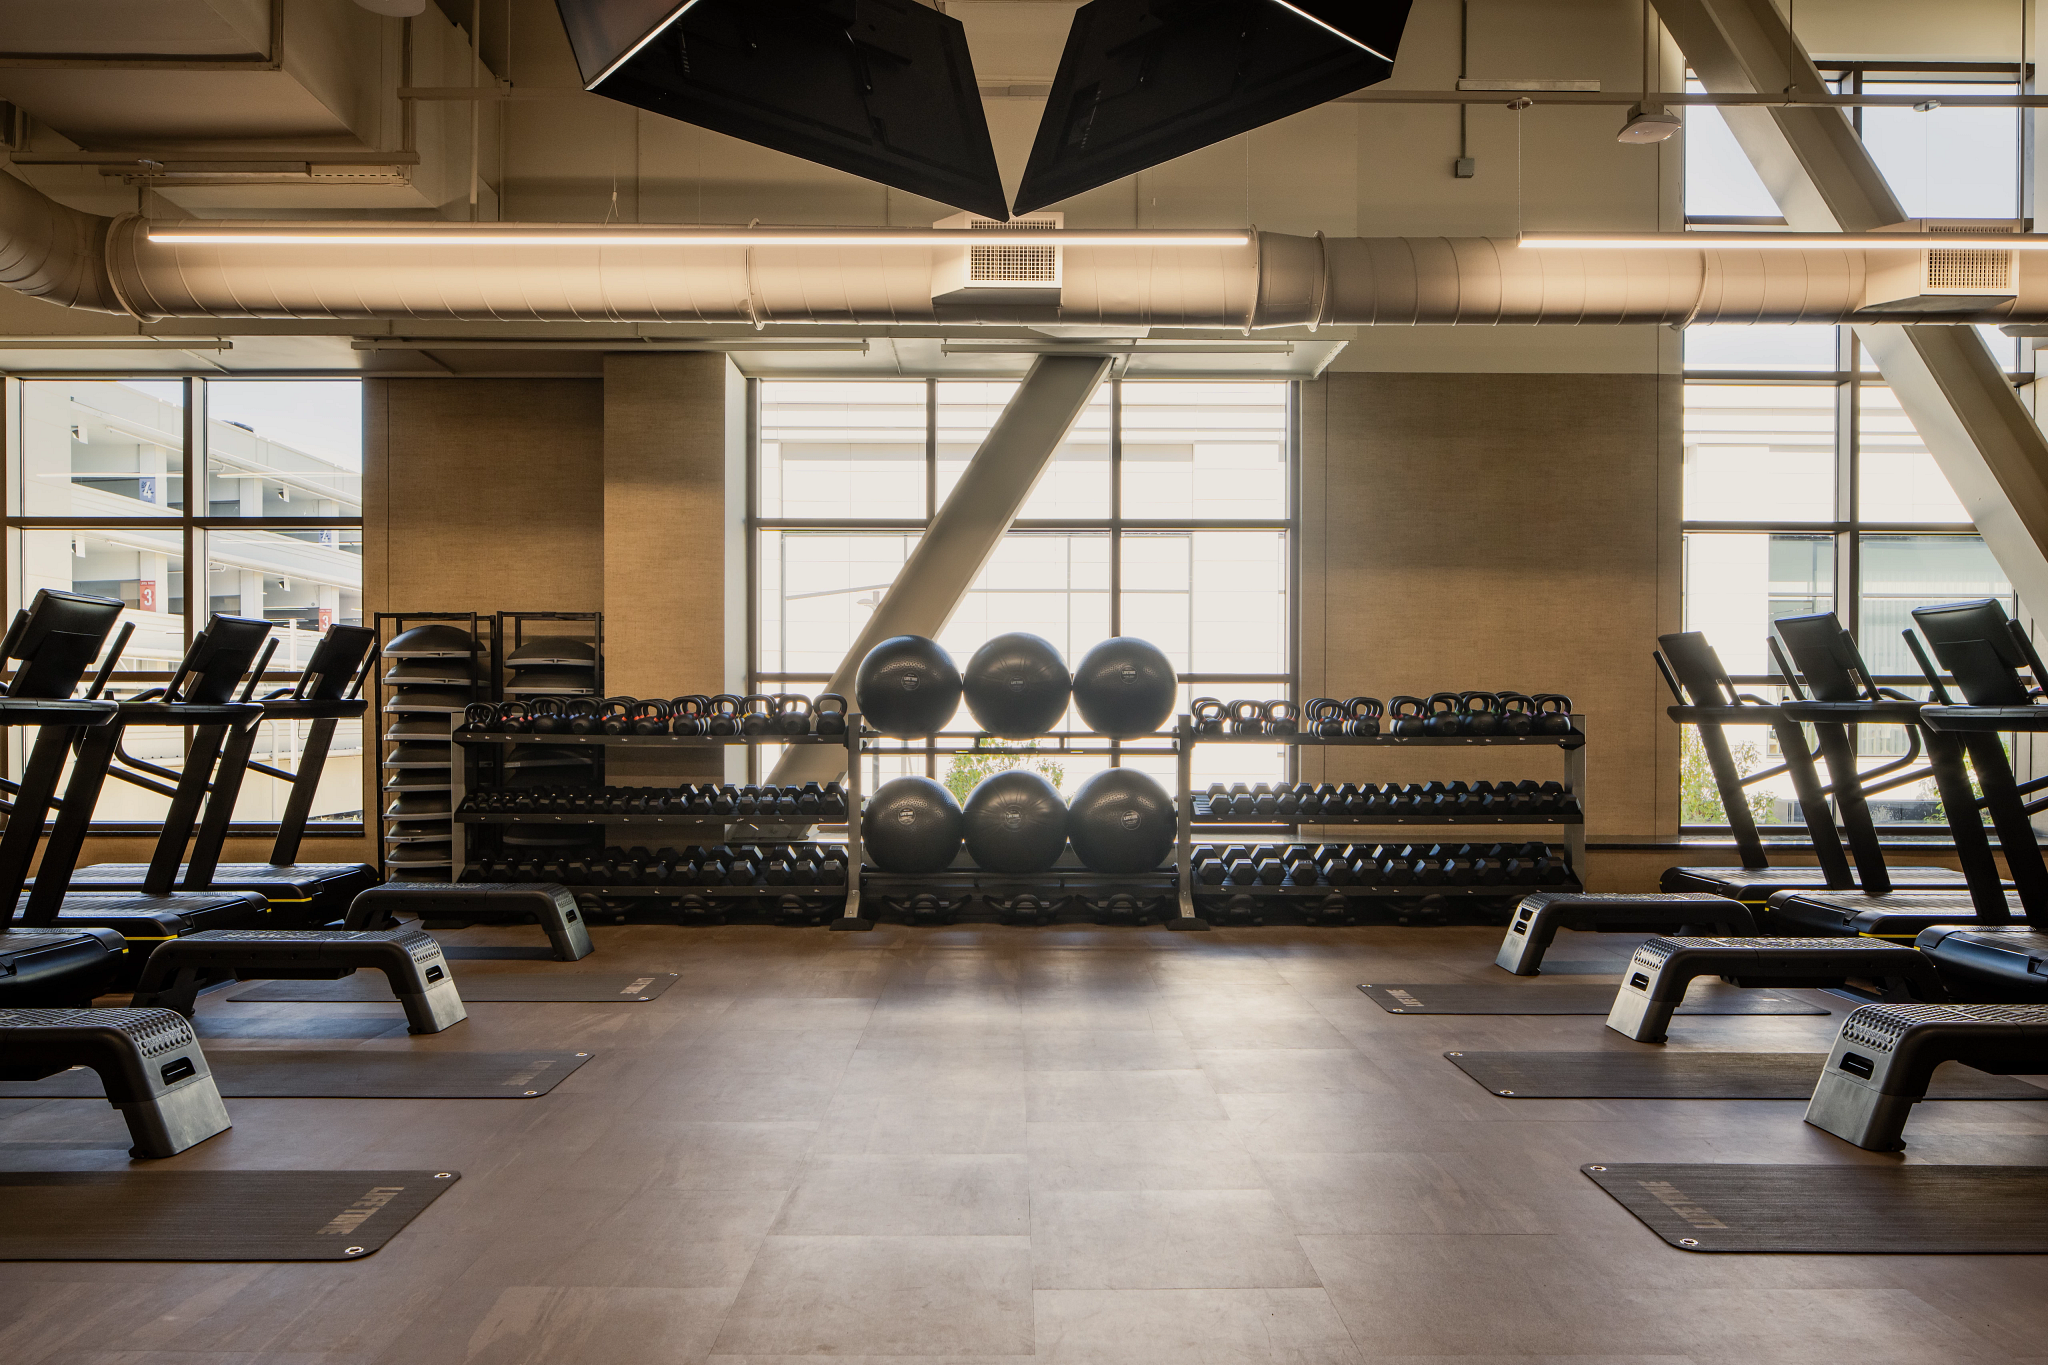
[(1947, 381), (966, 531)]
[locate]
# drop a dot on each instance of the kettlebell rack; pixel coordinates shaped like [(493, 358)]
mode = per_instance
[(1572, 747)]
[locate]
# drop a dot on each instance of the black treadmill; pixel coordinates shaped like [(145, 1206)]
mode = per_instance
[(53, 641), (199, 697), (1709, 701), (1845, 696), (298, 895), (1984, 651)]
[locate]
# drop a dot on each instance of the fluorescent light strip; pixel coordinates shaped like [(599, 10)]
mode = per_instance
[(634, 51), (926, 239), (1296, 9), (1783, 241)]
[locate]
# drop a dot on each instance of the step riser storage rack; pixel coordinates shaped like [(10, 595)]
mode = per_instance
[(1572, 746), (388, 707)]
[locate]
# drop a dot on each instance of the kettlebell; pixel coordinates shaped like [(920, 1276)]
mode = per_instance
[(1207, 713), (686, 715), (1553, 713), (1283, 717), (1362, 717), (1442, 718), (1247, 718), (1482, 713), (828, 714), (615, 715), (1325, 717), (580, 716), (544, 716), (757, 714), (478, 717), (1406, 714), (792, 714), (512, 718), (650, 717), (723, 714), (1517, 713)]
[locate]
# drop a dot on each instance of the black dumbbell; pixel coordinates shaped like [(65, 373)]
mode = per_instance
[(1287, 805), (1395, 870), (1265, 806)]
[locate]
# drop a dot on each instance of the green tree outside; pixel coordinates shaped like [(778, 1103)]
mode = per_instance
[(1699, 800), (967, 770)]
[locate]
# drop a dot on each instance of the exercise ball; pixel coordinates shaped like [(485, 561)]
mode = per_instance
[(1121, 821), (1125, 687), (1016, 686), (912, 824), (1016, 822), (907, 687)]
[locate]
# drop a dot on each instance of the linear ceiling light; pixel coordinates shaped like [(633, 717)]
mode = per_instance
[(1783, 241), (339, 234)]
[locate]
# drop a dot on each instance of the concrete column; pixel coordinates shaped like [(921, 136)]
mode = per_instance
[(966, 531)]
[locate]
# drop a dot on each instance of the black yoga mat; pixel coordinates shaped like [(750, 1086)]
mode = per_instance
[(1696, 1076), (209, 1215), (1596, 966), (356, 1074), (1463, 998), (457, 952), (498, 987), (1894, 1210)]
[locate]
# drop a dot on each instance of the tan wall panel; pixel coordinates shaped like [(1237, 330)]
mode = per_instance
[(1497, 532)]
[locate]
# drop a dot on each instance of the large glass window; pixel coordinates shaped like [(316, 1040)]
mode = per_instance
[(1809, 490), (97, 502), (1166, 514)]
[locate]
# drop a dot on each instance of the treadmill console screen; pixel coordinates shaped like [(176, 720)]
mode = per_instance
[(1698, 668), (1824, 653), (219, 656), (56, 639), (1974, 641)]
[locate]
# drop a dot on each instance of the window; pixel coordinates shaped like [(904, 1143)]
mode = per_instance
[(184, 497), (1167, 514), (1807, 489)]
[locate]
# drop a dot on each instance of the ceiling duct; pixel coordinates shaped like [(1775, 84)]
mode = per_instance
[(1941, 280), (882, 89), (1144, 81), (1023, 275)]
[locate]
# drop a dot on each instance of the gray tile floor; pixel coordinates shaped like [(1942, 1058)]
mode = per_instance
[(1074, 1145)]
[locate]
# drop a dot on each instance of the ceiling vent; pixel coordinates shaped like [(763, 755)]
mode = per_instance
[(1945, 279), (989, 269)]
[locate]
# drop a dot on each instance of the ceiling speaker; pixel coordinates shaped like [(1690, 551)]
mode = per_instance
[(1144, 81), (882, 89)]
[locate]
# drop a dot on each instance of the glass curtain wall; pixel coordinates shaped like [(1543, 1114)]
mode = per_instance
[(184, 497), (1166, 515), (1806, 486)]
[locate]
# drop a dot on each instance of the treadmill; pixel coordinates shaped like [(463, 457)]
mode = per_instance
[(53, 641), (199, 696), (1708, 700), (298, 895), (1844, 696)]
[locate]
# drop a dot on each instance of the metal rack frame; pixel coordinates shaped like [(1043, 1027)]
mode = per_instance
[(483, 635)]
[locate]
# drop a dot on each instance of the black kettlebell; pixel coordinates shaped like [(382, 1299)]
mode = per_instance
[(479, 717), (757, 714), (1362, 717), (1482, 713), (1325, 717), (512, 718), (1553, 713), (650, 717), (1283, 717), (615, 715), (580, 716), (1247, 718), (828, 714), (544, 717), (1406, 715), (1443, 719), (1517, 713), (723, 715), (792, 714), (1207, 715), (686, 715)]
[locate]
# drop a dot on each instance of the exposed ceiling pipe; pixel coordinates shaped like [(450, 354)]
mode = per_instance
[(1280, 281)]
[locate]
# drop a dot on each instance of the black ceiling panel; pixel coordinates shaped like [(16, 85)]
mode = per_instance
[(883, 89), (1144, 81)]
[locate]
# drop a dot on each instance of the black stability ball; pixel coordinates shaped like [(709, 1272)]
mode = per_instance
[(912, 824), (1125, 687), (1121, 821), (907, 687), (1017, 686), (1016, 822)]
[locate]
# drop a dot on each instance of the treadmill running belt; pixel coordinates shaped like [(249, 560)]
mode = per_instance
[(1863, 1209), (1696, 1076), (490, 987), (351, 1074), (209, 1215), (1462, 998)]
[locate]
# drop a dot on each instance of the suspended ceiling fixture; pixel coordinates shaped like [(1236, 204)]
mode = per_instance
[(644, 235), (883, 89), (1783, 241), (1144, 81)]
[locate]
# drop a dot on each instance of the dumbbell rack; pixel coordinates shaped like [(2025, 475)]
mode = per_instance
[(1062, 880), (713, 831), (1572, 746)]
